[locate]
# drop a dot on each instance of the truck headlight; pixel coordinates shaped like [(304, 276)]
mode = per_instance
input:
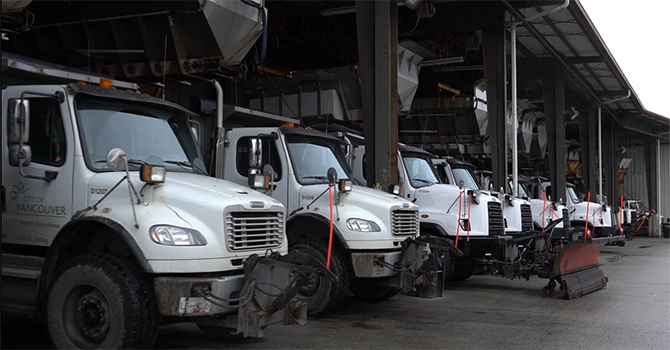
[(361, 225), (176, 236)]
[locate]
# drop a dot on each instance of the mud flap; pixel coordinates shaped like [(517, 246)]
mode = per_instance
[(422, 275), (576, 266), (271, 284)]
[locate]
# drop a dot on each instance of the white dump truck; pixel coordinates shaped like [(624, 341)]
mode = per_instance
[(367, 238), (517, 213), (111, 226), (445, 210), (545, 210)]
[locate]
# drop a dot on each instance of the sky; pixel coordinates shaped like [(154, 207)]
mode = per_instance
[(636, 33)]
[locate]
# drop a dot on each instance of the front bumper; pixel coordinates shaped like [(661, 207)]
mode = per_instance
[(264, 295)]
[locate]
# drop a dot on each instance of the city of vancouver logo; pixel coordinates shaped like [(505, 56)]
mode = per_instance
[(18, 190)]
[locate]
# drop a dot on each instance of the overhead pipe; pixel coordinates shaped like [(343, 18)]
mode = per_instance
[(515, 117), (558, 57), (600, 145)]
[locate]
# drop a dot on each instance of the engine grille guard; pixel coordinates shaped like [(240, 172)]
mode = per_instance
[(272, 283)]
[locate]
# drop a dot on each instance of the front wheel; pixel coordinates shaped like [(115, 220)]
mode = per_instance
[(101, 301), (320, 294)]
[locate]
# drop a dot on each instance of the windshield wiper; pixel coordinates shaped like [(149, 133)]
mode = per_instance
[(315, 177), (130, 161), (424, 181), (183, 163)]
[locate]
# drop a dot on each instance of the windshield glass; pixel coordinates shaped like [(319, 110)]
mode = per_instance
[(467, 177), (523, 191), (573, 195), (146, 133), (313, 156), (420, 169)]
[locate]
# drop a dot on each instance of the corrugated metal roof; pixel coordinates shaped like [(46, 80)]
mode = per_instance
[(573, 36)]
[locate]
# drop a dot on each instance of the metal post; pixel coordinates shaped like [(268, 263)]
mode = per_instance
[(515, 118), (600, 155), (658, 186)]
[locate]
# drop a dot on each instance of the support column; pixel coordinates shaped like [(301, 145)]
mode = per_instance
[(377, 23), (650, 158), (608, 162), (587, 134), (494, 66), (554, 106)]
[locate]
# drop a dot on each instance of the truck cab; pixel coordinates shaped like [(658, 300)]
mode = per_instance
[(111, 226), (600, 216), (466, 216), (368, 235), (517, 211)]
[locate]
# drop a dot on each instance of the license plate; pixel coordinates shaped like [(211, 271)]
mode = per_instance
[(194, 306)]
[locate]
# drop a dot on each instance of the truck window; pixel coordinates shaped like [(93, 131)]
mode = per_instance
[(270, 156), (47, 134)]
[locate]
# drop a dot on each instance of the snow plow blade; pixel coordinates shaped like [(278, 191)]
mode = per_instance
[(576, 266)]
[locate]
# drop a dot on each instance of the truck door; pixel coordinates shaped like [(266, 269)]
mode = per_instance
[(34, 209), (272, 153)]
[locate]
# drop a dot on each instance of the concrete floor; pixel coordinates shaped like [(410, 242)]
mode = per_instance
[(484, 312)]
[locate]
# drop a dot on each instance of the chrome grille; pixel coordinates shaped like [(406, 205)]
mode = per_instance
[(526, 218), (496, 221), (254, 230), (405, 222), (566, 218)]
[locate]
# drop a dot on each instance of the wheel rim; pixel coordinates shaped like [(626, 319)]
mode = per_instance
[(86, 315), (311, 287)]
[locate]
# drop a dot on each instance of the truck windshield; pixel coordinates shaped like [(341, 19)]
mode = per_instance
[(420, 169), (313, 156), (465, 175), (523, 191), (573, 195), (148, 134)]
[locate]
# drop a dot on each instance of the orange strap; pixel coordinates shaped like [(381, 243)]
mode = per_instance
[(586, 225), (458, 222), (330, 240)]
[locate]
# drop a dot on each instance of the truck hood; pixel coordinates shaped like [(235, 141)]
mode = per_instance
[(599, 215), (185, 187)]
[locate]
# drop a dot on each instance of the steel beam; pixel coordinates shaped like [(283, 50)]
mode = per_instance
[(494, 55), (587, 132), (650, 166), (554, 96), (377, 23)]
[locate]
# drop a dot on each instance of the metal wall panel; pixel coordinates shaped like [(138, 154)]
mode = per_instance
[(635, 182)]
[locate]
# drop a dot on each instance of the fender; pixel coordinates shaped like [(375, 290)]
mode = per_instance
[(434, 227), (55, 253), (336, 231)]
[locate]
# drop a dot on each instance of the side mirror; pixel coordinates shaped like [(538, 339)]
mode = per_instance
[(20, 154), (331, 174), (395, 189), (116, 159), (18, 113), (255, 153)]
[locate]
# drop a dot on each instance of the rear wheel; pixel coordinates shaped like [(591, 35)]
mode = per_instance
[(320, 294), (462, 272), (101, 301)]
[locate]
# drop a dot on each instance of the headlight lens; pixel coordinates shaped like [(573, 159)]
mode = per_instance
[(176, 236), (361, 225)]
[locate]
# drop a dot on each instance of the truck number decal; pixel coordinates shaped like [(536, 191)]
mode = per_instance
[(101, 191)]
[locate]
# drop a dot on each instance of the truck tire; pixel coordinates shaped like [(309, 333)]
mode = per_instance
[(371, 292), (100, 300), (320, 294), (462, 272), (448, 267)]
